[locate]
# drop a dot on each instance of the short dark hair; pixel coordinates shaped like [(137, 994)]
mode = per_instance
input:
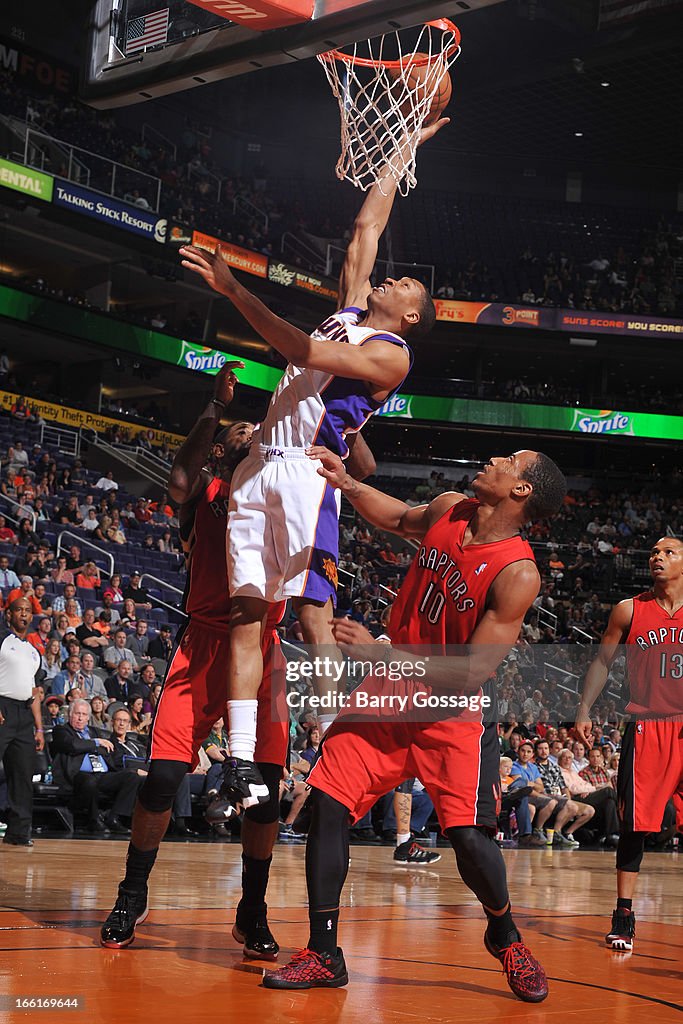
[(538, 743), (549, 487), (427, 311)]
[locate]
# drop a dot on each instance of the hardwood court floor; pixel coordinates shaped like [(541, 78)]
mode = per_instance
[(412, 940)]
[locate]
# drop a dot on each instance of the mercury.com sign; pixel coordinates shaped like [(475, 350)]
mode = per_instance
[(110, 211)]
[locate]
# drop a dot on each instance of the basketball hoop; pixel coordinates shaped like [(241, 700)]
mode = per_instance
[(386, 93)]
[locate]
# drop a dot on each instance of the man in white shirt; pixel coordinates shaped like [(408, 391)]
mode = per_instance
[(107, 482)]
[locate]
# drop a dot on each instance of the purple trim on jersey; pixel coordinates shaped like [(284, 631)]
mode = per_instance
[(352, 309), (319, 586), (348, 404)]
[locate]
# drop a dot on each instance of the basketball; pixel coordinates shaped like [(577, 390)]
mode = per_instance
[(421, 78)]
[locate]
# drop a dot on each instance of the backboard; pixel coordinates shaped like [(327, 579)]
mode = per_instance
[(140, 49)]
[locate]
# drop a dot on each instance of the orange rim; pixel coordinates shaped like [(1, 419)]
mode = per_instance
[(411, 61)]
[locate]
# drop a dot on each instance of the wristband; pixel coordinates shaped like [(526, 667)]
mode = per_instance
[(217, 401), (40, 730)]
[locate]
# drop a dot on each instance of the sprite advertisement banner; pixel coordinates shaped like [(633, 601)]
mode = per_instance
[(25, 179), (534, 417), (99, 329)]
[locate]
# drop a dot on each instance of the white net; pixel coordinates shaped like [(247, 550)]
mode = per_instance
[(385, 92)]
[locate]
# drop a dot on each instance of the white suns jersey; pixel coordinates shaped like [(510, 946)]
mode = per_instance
[(315, 407)]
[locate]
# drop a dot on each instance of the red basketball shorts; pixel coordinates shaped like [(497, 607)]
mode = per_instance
[(194, 696), (457, 763), (650, 773)]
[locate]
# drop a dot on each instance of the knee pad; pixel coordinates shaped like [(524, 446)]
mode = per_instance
[(468, 841), (630, 851), (267, 813), (159, 789)]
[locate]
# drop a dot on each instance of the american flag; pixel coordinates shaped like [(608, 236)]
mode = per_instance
[(149, 30)]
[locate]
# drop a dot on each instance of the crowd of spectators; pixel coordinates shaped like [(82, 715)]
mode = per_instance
[(254, 211)]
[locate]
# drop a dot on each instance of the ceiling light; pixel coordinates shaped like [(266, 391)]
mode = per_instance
[(605, 85), (578, 135)]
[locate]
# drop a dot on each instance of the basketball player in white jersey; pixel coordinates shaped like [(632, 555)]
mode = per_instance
[(283, 516)]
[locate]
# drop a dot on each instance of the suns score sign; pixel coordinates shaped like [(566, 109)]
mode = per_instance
[(260, 15)]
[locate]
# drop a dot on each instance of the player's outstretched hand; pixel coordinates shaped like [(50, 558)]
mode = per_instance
[(430, 131), (224, 388), (583, 728), (332, 467), (208, 265), (350, 635)]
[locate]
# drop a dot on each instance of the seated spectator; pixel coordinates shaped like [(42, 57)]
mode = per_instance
[(41, 636), (515, 795), (90, 683), (162, 645), (572, 811), (59, 604), (72, 612), (310, 751), (51, 661), (88, 503), (113, 588), (27, 534), (89, 577), (121, 684), (129, 615), (166, 543), (83, 768), (118, 652), (137, 593), (108, 606), (68, 513), (25, 589), (8, 577), (98, 713), (544, 805), (147, 680), (74, 561), (89, 636), (60, 574), (595, 771), (138, 643), (90, 522), (52, 714), (19, 459), (143, 513), (20, 411), (61, 629), (604, 800), (69, 678), (107, 482), (103, 625), (7, 534), (580, 760), (140, 719)]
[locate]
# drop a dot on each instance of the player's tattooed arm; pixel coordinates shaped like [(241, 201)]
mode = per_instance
[(617, 630), (361, 462), (187, 477)]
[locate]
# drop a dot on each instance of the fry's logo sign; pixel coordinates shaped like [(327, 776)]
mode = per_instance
[(606, 421)]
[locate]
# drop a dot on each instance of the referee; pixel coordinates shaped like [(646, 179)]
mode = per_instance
[(21, 730)]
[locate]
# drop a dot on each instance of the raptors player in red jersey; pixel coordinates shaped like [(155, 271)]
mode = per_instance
[(194, 690), (471, 583), (651, 762)]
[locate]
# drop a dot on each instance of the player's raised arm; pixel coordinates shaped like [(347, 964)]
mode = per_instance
[(379, 362), (368, 227), (379, 509), (598, 672), (187, 478)]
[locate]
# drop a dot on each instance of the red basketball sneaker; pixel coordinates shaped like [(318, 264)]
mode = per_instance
[(524, 974), (308, 969)]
